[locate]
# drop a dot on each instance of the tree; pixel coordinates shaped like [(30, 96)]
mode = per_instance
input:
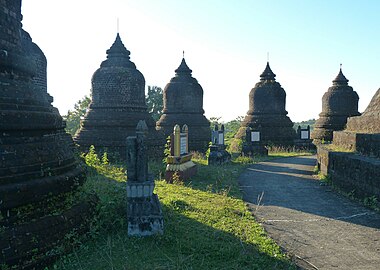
[(214, 120), (73, 117), (304, 124), (155, 101), (233, 126)]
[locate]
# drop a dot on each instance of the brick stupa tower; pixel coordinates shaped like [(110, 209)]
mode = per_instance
[(267, 112), (357, 169), (38, 171), (183, 104), (117, 105), (338, 103)]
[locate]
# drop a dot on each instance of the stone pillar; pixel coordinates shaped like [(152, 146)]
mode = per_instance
[(143, 207), (218, 154)]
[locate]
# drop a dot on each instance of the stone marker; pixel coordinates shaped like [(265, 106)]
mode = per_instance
[(144, 210), (338, 103), (252, 144), (183, 104), (117, 104), (267, 113), (303, 140), (218, 154), (179, 162), (38, 170)]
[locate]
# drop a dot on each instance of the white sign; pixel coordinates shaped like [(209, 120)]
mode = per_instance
[(255, 136), (304, 134), (221, 138), (183, 145)]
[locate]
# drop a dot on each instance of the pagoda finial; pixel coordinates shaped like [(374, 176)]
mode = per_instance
[(340, 78), (183, 68), (267, 74), (183, 54)]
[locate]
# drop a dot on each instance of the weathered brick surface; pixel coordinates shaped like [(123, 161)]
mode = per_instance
[(351, 172), (365, 144), (183, 104), (338, 103), (37, 164), (267, 112), (369, 121), (117, 105)]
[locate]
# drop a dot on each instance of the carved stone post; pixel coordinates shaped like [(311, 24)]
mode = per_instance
[(218, 154), (144, 210)]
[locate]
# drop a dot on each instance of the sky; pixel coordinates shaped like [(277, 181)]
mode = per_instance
[(226, 44)]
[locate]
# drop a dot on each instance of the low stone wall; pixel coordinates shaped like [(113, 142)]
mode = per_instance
[(366, 144), (351, 172)]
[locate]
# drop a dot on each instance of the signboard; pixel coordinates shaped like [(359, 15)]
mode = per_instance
[(255, 136), (183, 145), (214, 137), (304, 134), (221, 138)]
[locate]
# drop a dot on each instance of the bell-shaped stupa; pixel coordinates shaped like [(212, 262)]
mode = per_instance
[(38, 171), (267, 112), (117, 105), (183, 104), (338, 103)]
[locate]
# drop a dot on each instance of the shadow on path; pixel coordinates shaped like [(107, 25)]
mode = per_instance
[(325, 229)]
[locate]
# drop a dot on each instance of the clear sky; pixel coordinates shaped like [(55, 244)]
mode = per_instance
[(225, 42)]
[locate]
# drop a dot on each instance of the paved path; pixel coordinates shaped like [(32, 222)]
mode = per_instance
[(318, 227)]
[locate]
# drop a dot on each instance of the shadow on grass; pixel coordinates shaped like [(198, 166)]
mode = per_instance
[(186, 244)]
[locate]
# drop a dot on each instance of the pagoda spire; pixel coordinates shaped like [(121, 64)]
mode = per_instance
[(183, 67), (340, 79), (267, 74)]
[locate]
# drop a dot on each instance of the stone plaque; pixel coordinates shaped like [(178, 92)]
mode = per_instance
[(183, 145), (304, 134), (255, 136), (221, 138)]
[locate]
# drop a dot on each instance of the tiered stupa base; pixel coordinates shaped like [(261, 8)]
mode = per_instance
[(274, 130), (108, 129)]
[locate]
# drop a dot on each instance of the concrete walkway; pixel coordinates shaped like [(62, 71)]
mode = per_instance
[(318, 227)]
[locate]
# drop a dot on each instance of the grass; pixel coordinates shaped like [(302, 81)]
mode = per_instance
[(206, 224), (337, 148)]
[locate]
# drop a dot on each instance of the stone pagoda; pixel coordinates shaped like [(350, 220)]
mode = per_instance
[(38, 170), (117, 105), (338, 103), (267, 114), (183, 105), (357, 169)]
